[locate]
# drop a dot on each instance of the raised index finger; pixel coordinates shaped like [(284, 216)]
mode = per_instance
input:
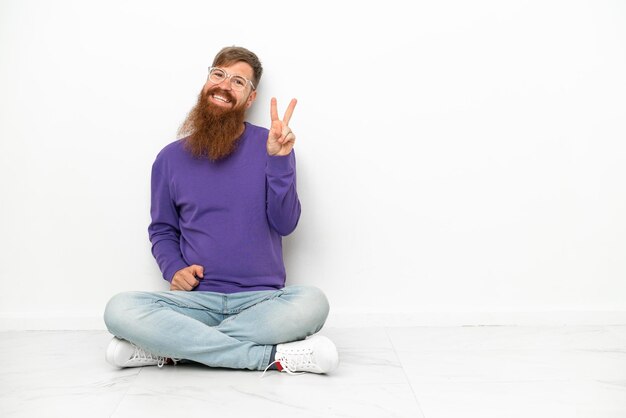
[(273, 110), (289, 111)]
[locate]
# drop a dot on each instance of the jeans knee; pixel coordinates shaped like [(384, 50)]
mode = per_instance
[(321, 302), (315, 305), (116, 311)]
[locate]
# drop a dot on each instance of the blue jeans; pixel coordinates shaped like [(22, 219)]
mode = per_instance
[(236, 330)]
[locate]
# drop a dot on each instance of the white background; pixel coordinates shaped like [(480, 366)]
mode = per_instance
[(458, 162)]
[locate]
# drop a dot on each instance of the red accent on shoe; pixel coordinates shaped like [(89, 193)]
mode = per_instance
[(279, 366)]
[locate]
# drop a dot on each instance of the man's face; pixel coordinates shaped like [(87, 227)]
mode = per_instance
[(216, 122), (223, 96)]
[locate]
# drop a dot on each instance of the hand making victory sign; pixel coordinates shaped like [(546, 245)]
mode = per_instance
[(280, 139)]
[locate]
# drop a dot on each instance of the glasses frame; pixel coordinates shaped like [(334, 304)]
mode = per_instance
[(229, 76)]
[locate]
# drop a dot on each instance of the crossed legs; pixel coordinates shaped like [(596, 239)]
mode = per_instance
[(236, 330)]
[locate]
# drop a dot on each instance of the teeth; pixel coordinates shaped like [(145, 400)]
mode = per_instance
[(220, 98)]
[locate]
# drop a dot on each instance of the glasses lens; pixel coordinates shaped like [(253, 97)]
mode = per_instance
[(238, 83), (216, 75)]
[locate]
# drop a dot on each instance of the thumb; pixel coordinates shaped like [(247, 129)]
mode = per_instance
[(198, 270)]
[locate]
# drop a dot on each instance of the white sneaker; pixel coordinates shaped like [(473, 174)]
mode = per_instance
[(316, 354), (122, 353)]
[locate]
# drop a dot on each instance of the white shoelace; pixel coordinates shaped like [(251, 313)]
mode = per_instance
[(145, 356), (292, 362)]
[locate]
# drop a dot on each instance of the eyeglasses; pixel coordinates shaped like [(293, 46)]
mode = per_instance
[(237, 82)]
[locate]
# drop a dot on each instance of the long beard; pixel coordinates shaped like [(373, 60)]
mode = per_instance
[(213, 132)]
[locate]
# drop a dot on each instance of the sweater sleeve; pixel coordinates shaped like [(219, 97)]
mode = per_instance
[(283, 205), (164, 230)]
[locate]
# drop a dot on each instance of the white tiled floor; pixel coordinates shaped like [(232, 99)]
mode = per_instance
[(426, 372)]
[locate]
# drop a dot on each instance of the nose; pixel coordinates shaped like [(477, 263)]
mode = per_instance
[(225, 84)]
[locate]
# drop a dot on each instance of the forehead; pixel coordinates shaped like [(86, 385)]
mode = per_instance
[(239, 68)]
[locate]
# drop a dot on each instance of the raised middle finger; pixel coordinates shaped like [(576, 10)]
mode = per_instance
[(289, 111)]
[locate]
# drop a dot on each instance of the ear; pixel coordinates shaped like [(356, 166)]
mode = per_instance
[(251, 99)]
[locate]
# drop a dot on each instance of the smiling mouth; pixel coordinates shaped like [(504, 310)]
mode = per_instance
[(220, 98)]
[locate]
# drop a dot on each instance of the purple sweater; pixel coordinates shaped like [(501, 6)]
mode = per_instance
[(226, 216)]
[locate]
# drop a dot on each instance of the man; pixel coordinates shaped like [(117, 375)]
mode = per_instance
[(222, 197)]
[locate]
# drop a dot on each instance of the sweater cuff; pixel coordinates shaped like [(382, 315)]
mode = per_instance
[(170, 271), (279, 164)]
